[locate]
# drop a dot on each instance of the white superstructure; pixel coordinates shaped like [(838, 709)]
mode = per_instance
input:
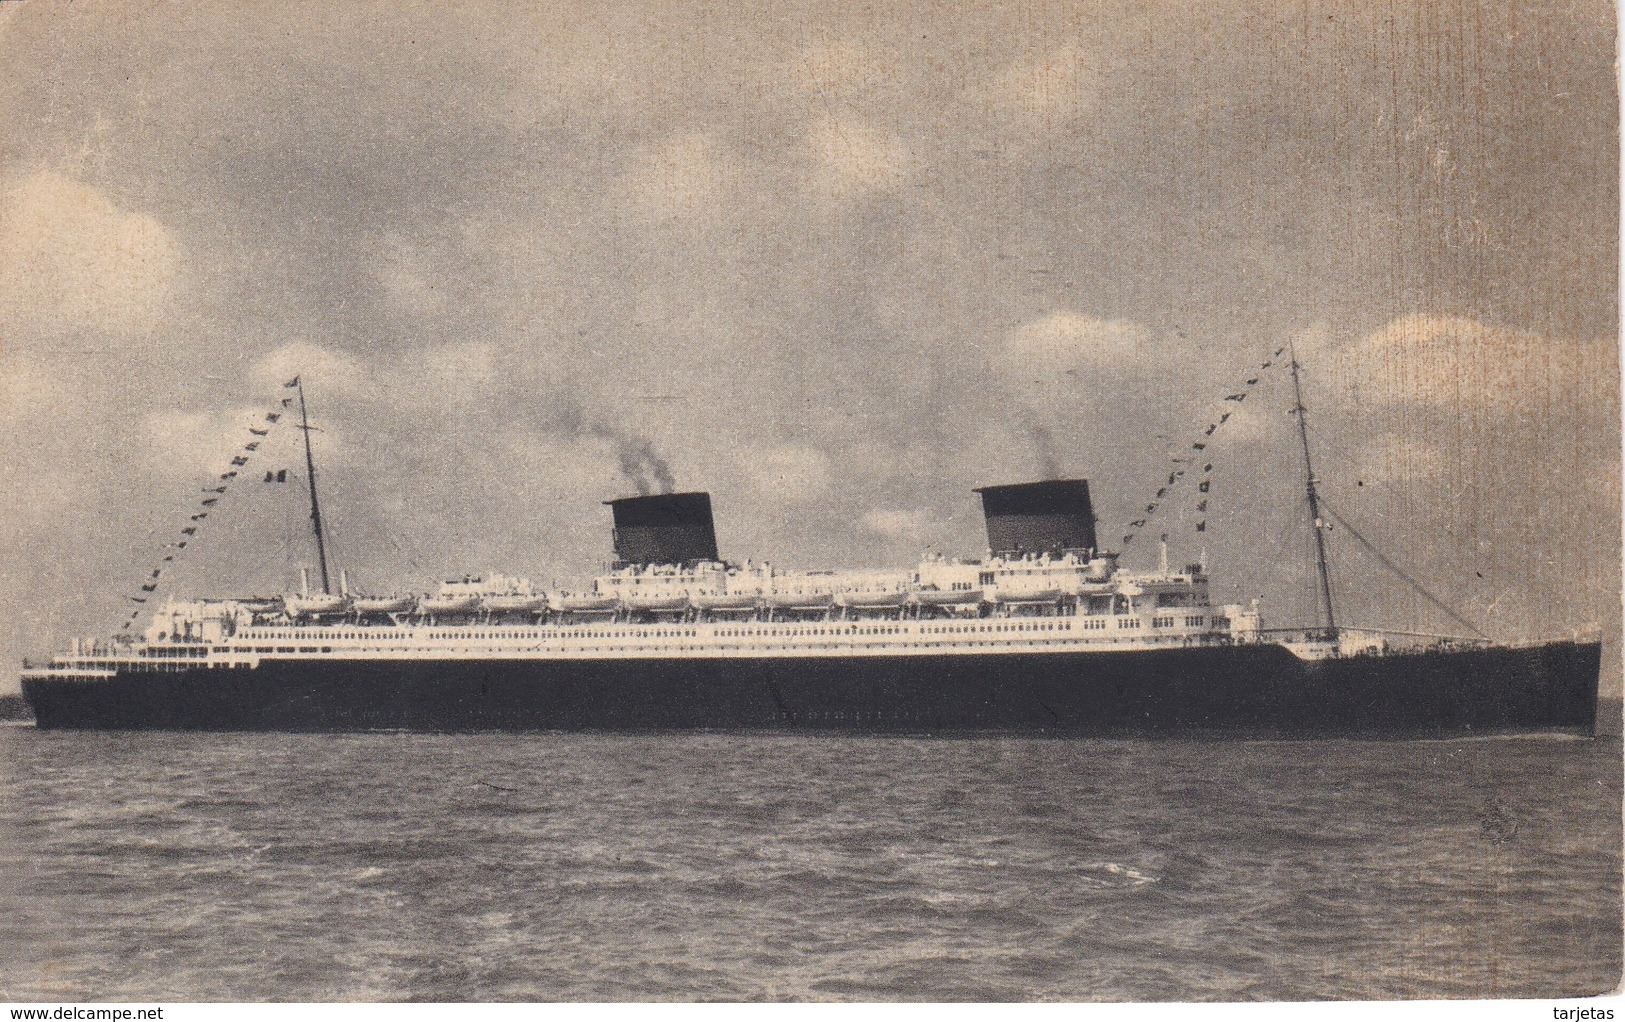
[(945, 606)]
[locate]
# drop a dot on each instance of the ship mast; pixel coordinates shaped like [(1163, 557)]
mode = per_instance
[(310, 475), (1316, 524)]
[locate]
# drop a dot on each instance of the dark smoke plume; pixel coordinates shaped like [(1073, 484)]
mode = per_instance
[(1049, 463), (642, 465)]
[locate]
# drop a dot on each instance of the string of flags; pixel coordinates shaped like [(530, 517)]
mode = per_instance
[(261, 429), (1197, 447)]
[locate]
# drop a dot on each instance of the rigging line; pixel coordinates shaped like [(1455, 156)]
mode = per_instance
[(413, 561), (1379, 489), (228, 483), (334, 549), (1207, 438), (1397, 570)]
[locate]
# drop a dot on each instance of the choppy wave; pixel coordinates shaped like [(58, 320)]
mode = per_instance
[(568, 867)]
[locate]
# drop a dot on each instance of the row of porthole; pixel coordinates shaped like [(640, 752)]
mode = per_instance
[(582, 649)]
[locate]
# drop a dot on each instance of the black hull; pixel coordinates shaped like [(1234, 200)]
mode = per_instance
[(1256, 690)]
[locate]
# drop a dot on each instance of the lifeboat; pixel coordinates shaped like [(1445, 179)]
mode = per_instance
[(656, 603), (1027, 595), (514, 604), (451, 603), (724, 601), (866, 601), (947, 597), (315, 603), (381, 604), (256, 605), (585, 603), (797, 601)]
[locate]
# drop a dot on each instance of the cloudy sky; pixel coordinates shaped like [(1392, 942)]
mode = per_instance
[(835, 264)]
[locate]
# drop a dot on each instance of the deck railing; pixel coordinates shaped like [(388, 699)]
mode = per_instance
[(1354, 641)]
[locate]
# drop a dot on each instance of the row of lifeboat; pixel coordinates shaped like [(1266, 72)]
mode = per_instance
[(450, 604)]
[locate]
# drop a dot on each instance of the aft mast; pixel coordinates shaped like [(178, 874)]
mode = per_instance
[(310, 475), (1316, 524)]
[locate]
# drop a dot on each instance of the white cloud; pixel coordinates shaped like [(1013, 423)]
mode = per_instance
[(1450, 361), (74, 260), (897, 524), (1046, 89), (855, 158), (191, 443), (447, 378), (334, 372), (1045, 348), (1025, 103), (683, 175), (1063, 365)]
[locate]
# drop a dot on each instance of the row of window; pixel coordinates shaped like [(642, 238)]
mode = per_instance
[(1086, 624), (1168, 622)]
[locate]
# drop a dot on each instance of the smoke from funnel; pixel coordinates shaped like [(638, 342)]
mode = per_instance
[(642, 467), (1049, 463), (639, 462)]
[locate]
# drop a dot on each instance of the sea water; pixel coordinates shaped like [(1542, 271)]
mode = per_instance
[(141, 867)]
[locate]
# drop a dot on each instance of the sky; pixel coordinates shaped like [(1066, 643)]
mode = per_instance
[(836, 264)]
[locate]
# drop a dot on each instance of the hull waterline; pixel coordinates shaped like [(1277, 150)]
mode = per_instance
[(1253, 690)]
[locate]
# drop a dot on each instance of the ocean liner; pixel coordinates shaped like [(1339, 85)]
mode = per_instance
[(1044, 633)]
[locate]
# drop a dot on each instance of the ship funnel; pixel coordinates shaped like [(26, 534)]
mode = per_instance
[(665, 528), (1051, 517)]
